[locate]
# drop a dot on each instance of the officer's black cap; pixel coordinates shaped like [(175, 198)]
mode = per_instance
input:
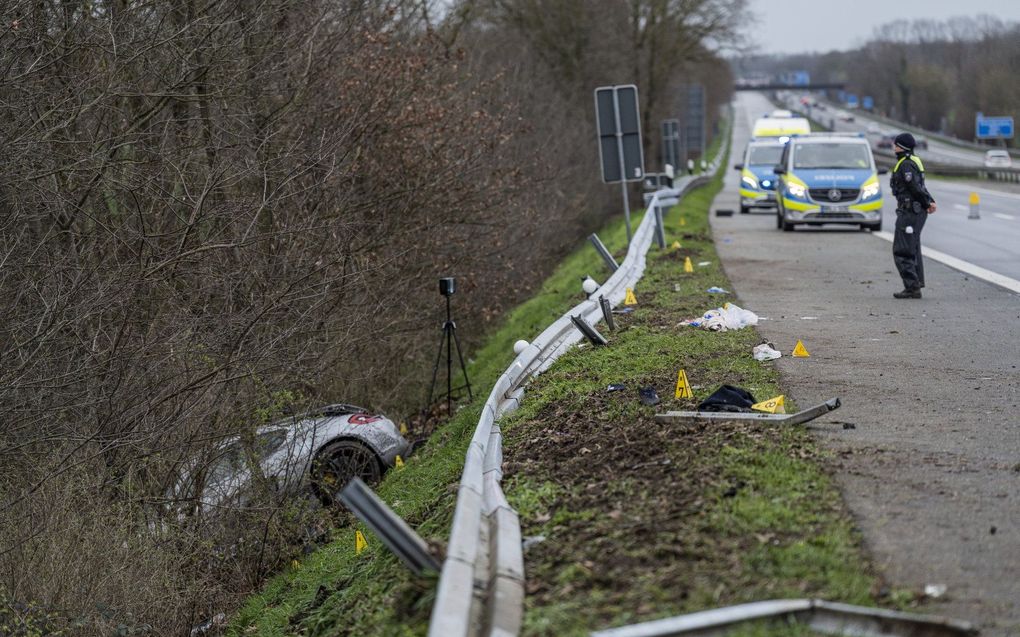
[(905, 140)]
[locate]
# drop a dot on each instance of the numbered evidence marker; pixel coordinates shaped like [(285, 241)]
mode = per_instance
[(631, 299), (403, 429), (399, 462), (683, 388), (800, 351), (676, 245), (772, 405), (688, 266), (360, 543)]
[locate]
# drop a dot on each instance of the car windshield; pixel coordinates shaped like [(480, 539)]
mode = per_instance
[(831, 155), (770, 155)]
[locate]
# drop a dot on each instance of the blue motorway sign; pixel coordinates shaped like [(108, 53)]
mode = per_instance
[(993, 127), (851, 100), (868, 103)]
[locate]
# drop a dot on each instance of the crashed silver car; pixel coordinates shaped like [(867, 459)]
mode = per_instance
[(320, 451)]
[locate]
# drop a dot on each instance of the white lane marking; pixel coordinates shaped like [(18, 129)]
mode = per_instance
[(1001, 215), (963, 266), (960, 206)]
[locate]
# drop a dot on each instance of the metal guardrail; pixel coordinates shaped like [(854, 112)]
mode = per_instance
[(481, 586), (887, 159)]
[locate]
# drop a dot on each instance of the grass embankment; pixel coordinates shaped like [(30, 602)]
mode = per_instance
[(332, 591), (644, 519)]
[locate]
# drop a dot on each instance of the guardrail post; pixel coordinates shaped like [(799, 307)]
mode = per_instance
[(608, 258), (660, 232)]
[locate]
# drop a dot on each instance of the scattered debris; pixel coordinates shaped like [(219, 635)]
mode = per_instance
[(849, 425), (727, 317), (723, 212), (208, 626), (765, 352), (616, 387), (624, 310), (728, 398), (676, 287), (993, 530), (531, 540), (717, 290), (702, 264), (934, 591), (649, 396)]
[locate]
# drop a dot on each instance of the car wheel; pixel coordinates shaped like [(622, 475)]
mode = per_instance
[(779, 220), (340, 461), (787, 227), (744, 209), (873, 227)]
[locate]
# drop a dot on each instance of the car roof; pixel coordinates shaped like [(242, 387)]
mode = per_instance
[(998, 152), (828, 138)]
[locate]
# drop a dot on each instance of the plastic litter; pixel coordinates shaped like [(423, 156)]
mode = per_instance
[(623, 310), (702, 264), (765, 352), (649, 396), (728, 398), (531, 540), (727, 317), (717, 290), (934, 591), (616, 387)]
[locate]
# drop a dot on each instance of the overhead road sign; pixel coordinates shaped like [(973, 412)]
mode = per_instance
[(694, 121), (868, 103), (993, 127)]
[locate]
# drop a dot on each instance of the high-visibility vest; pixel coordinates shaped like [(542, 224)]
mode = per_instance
[(913, 158)]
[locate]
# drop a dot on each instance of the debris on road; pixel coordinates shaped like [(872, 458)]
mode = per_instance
[(765, 352), (702, 264), (616, 387), (715, 289), (934, 591), (531, 540)]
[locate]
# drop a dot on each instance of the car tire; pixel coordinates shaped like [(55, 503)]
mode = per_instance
[(779, 220), (744, 209), (872, 227), (340, 461), (785, 225)]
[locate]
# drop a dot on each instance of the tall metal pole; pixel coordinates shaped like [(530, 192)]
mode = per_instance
[(447, 329), (623, 168)]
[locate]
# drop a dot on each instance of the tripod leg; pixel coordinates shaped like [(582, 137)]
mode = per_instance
[(462, 367), (449, 371), (435, 369)]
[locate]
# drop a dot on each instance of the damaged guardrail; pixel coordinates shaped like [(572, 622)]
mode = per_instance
[(481, 586), (828, 618)]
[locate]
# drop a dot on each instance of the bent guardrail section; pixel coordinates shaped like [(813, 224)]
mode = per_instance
[(481, 586)]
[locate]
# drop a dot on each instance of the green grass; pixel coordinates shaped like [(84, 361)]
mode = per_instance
[(644, 520)]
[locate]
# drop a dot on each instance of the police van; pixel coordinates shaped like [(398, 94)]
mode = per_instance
[(770, 126), (757, 181), (828, 178)]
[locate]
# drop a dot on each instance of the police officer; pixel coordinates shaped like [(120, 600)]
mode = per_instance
[(913, 205)]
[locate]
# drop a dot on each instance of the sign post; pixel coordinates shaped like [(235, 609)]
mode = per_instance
[(671, 142), (619, 139)]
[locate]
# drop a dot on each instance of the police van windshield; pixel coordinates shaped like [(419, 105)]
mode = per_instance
[(769, 155), (831, 155)]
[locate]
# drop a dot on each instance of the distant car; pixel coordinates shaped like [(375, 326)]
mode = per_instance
[(874, 129), (316, 452), (921, 142), (998, 159), (885, 142), (847, 117)]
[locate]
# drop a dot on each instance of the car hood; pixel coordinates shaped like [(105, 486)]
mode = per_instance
[(834, 177)]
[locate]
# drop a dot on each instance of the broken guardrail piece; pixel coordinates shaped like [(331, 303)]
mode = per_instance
[(798, 418), (828, 618)]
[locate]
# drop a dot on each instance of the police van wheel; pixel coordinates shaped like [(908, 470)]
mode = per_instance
[(779, 221), (873, 227), (744, 209), (787, 227)]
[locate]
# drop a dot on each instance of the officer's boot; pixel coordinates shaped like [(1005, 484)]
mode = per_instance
[(908, 293)]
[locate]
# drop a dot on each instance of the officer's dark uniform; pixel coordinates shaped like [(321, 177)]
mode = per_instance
[(912, 203)]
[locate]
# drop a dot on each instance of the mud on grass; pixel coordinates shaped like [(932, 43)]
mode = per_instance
[(643, 519)]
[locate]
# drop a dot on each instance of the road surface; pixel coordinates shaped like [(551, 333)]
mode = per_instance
[(931, 470)]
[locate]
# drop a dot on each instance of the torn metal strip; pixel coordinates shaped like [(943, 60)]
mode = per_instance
[(798, 418), (824, 617)]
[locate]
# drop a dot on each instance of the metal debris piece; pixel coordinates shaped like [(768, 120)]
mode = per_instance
[(798, 418), (829, 618)]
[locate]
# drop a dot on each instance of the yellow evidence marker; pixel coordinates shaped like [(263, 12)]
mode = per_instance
[(800, 351), (683, 222), (399, 462), (688, 266), (403, 428), (772, 405), (360, 543), (683, 388), (631, 299), (676, 245)]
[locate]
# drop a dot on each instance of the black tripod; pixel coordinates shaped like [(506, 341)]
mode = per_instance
[(449, 339)]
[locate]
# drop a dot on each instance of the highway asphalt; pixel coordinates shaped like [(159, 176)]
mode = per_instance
[(926, 447)]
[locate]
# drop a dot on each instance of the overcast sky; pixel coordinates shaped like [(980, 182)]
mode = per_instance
[(799, 26)]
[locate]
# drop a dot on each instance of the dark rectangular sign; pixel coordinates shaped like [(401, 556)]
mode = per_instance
[(619, 133)]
